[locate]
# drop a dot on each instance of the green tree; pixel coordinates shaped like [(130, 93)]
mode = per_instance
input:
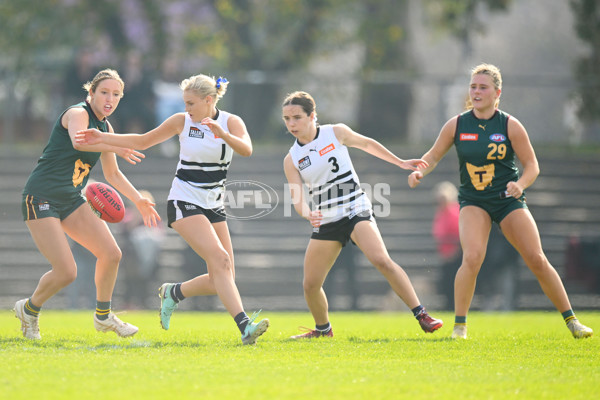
[(39, 39), (460, 19), (261, 41)]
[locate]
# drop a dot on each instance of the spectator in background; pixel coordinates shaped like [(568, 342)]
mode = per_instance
[(168, 101), (445, 233), (137, 105), (82, 69), (141, 250)]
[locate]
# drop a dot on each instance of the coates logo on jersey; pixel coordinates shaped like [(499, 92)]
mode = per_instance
[(469, 137), (497, 137), (326, 149), (196, 133)]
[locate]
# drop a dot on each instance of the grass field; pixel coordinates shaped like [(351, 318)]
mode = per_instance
[(528, 355)]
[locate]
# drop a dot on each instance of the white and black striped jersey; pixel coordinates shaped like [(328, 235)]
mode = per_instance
[(325, 166), (203, 163)]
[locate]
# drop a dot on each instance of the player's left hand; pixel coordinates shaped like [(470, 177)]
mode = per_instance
[(513, 189), (149, 214), (214, 127), (130, 155)]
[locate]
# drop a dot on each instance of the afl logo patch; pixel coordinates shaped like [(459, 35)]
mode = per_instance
[(303, 163), (497, 137), (196, 133)]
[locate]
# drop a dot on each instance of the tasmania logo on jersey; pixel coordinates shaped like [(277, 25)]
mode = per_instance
[(469, 137), (326, 149), (303, 163), (196, 133), (497, 137)]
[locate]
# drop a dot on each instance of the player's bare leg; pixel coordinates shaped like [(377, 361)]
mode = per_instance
[(367, 237), (319, 258), (521, 231)]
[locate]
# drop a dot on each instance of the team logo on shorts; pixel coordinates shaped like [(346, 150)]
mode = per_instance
[(196, 133), (44, 206), (303, 163), (497, 137)]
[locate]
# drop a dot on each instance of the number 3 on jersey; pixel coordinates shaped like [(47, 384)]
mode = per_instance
[(497, 152), (334, 164)]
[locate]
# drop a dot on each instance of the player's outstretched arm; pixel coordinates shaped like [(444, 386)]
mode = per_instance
[(171, 127), (350, 138), (433, 156)]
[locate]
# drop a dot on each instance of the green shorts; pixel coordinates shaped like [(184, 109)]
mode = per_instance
[(36, 208), (498, 208)]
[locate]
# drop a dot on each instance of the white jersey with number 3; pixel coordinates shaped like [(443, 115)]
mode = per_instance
[(325, 166), (203, 163)]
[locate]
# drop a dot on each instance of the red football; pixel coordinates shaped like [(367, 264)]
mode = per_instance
[(105, 202)]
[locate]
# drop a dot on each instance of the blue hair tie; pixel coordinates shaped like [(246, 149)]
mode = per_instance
[(219, 81)]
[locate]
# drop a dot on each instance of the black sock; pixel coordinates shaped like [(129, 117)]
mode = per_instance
[(325, 328), (176, 293), (419, 311), (242, 321)]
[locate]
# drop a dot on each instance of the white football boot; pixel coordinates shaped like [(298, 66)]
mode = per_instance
[(459, 331), (29, 323), (579, 330), (114, 324)]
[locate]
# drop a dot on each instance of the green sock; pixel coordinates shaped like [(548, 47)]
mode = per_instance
[(31, 309), (568, 316), (102, 309), (462, 320)]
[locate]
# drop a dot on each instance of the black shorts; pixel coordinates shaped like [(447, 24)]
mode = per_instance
[(341, 230), (177, 209)]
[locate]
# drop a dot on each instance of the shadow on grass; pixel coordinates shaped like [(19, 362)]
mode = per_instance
[(88, 344)]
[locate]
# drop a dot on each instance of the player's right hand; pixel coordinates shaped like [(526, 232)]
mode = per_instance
[(414, 179), (315, 218)]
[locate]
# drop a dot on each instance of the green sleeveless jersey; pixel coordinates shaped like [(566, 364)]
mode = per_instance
[(485, 155), (62, 172)]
